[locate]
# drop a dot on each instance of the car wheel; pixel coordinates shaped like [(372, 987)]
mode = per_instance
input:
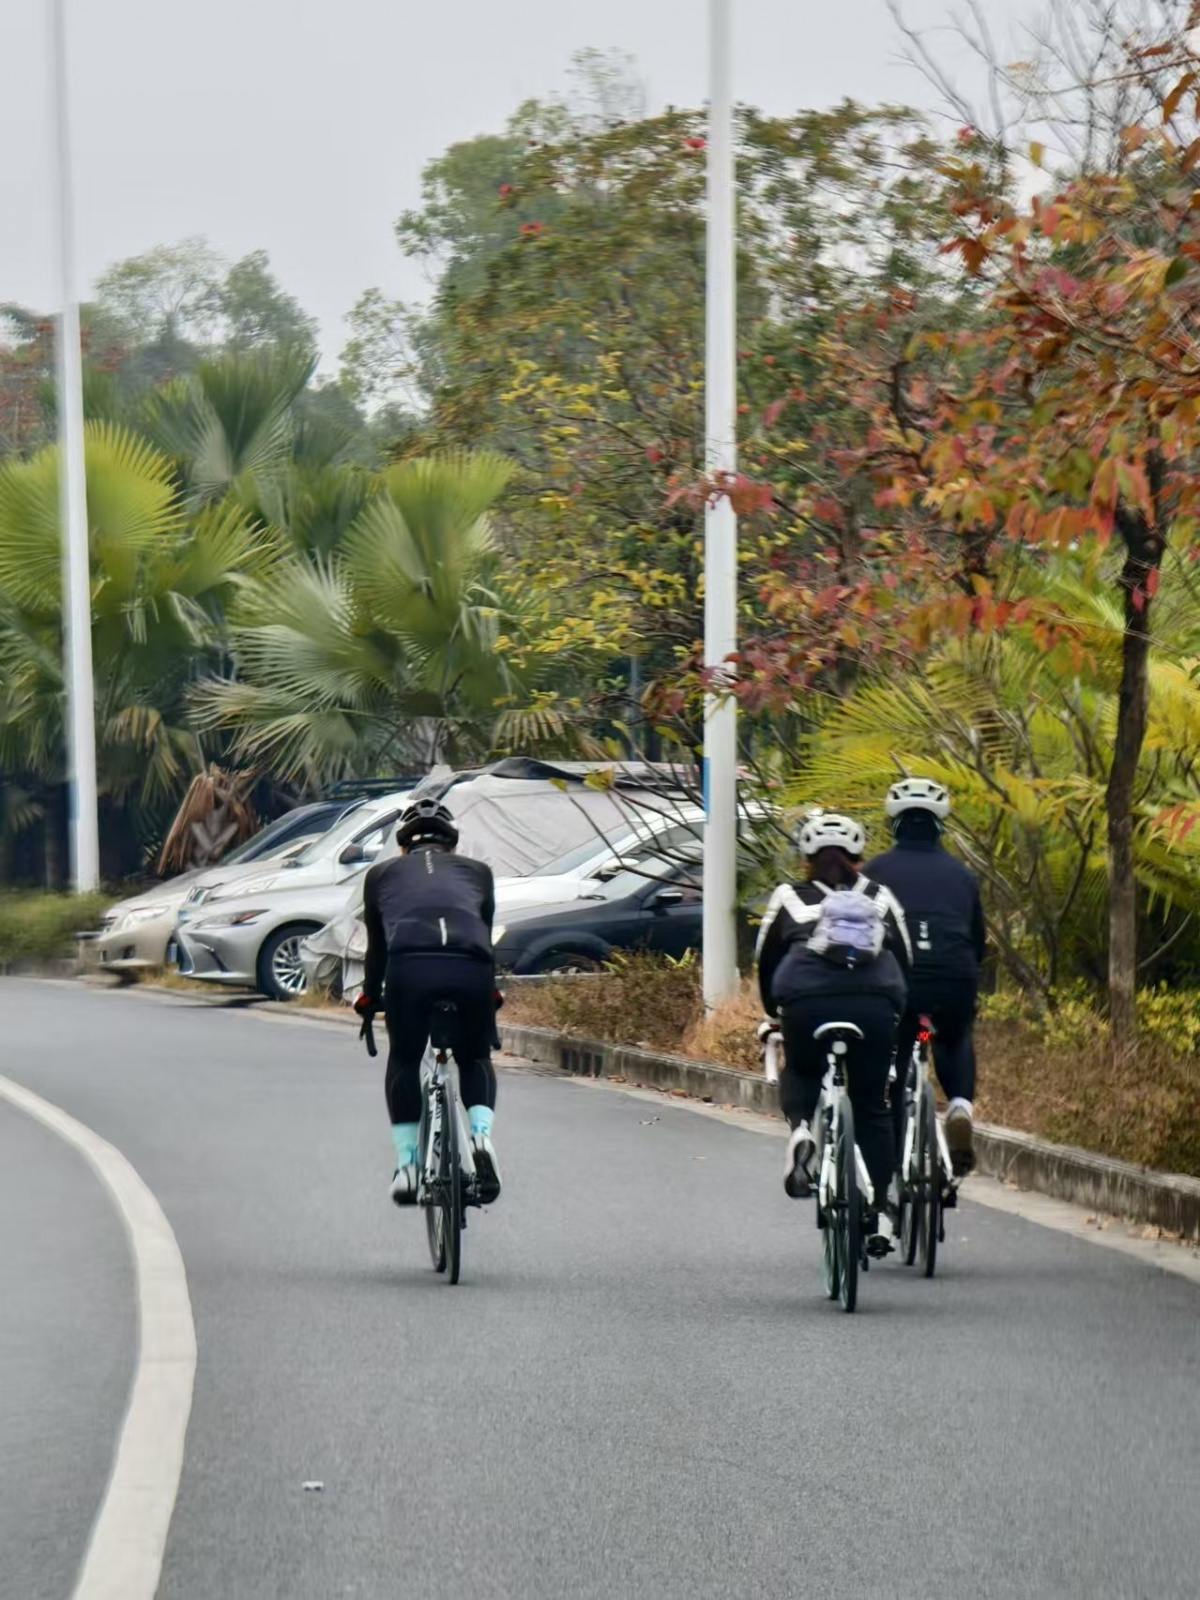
[(280, 970), (560, 963)]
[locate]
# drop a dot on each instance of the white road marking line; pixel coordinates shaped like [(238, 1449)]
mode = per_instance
[(125, 1551)]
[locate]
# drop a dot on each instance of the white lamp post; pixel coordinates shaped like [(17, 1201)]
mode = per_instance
[(720, 523), (76, 574)]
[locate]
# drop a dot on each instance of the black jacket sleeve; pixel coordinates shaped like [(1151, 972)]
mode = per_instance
[(488, 909), (376, 962)]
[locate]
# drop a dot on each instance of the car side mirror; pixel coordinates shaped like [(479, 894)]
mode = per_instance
[(353, 855), (667, 897)]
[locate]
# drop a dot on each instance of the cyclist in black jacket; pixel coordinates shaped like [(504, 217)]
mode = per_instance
[(941, 903), (428, 914)]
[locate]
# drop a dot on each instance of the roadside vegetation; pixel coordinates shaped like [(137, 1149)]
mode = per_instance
[(37, 929)]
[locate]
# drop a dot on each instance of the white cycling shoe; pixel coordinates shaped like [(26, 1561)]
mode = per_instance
[(882, 1241), (960, 1137), (487, 1168), (797, 1166), (405, 1184)]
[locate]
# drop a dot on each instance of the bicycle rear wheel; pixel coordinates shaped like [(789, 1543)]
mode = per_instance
[(452, 1190), (849, 1217), (433, 1121), (929, 1194)]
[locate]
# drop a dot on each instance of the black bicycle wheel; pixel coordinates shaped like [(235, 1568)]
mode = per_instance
[(827, 1221), (433, 1154), (452, 1189), (848, 1215), (930, 1193), (906, 1187)]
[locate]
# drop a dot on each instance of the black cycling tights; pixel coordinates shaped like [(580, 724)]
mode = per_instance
[(867, 1067), (412, 986), (953, 1015)]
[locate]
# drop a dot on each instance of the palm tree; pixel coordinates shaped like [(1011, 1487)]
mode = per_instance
[(391, 650), (160, 582), (234, 419)]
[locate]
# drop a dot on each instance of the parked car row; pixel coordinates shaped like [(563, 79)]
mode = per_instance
[(584, 866)]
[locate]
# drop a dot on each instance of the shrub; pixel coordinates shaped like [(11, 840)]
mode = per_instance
[(37, 927), (641, 998)]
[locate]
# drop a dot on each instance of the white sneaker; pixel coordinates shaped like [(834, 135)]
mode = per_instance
[(883, 1240), (487, 1168), (797, 1166), (960, 1137), (405, 1184)]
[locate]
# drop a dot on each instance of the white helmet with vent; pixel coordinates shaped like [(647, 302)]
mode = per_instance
[(828, 829), (918, 794)]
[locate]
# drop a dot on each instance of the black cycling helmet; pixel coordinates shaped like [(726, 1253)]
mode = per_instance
[(426, 822)]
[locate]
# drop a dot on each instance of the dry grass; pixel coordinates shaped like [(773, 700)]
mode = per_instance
[(1145, 1109)]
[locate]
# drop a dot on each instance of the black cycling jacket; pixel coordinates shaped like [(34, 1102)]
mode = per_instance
[(788, 971), (427, 903), (941, 904)]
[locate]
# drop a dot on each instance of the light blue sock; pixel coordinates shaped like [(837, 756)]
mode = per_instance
[(404, 1137), (480, 1118)]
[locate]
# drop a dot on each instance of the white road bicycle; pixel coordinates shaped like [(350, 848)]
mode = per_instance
[(447, 1183), (844, 1194)]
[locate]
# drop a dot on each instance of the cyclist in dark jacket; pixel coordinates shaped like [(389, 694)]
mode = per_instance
[(941, 902), (428, 914), (806, 979)]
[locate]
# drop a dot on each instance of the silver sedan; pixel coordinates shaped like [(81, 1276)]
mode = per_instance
[(253, 942)]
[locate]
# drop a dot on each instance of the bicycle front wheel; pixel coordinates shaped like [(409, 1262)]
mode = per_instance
[(929, 1195), (849, 1217)]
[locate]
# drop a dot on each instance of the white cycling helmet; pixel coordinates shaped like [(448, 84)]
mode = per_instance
[(827, 829), (917, 794)]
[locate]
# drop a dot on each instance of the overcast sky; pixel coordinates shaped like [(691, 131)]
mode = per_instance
[(302, 126)]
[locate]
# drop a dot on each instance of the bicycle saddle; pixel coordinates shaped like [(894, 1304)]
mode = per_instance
[(839, 1033)]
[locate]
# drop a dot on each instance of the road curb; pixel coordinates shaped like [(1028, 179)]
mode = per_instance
[(1116, 1188)]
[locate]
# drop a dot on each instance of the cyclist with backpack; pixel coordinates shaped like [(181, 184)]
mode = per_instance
[(834, 948), (940, 896)]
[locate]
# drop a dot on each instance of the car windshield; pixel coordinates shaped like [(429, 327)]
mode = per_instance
[(329, 843), (262, 841), (595, 849), (640, 875)]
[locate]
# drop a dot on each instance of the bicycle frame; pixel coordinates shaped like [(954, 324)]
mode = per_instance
[(829, 1120), (917, 1075), (437, 1066)]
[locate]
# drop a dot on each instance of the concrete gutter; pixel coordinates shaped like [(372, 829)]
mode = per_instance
[(1115, 1188)]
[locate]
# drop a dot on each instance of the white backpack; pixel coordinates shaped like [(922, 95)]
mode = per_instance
[(849, 928)]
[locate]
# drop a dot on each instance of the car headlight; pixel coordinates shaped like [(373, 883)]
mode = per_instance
[(498, 933), (230, 919), (133, 919)]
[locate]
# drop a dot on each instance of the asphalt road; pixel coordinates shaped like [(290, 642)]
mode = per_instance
[(638, 1390)]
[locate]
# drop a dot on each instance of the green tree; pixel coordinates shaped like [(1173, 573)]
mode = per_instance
[(396, 649), (160, 581)]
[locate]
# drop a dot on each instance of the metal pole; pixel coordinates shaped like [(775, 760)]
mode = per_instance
[(720, 522), (72, 479)]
